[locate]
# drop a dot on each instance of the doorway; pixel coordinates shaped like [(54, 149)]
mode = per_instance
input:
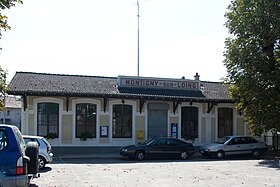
[(157, 120)]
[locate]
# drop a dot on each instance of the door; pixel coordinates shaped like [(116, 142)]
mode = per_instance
[(236, 146), (249, 144), (157, 119), (158, 149), (173, 148)]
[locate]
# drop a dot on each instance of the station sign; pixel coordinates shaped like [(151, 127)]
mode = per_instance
[(161, 83)]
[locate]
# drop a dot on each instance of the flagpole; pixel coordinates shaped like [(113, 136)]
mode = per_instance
[(138, 56)]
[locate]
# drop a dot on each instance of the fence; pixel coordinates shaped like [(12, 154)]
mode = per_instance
[(273, 141)]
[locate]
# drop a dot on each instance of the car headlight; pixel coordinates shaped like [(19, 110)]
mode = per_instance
[(124, 150)]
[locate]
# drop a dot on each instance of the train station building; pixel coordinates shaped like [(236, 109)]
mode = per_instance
[(93, 111)]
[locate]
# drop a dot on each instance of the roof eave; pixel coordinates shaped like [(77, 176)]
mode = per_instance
[(124, 96)]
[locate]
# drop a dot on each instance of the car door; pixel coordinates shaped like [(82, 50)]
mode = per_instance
[(235, 146), (250, 144), (157, 149), (173, 148)]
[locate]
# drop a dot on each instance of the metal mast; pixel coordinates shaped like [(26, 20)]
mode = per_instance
[(138, 57), (4, 100)]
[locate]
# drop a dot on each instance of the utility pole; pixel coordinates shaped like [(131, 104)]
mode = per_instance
[(4, 112), (138, 57)]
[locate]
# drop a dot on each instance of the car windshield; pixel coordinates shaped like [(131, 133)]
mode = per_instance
[(147, 142), (223, 140)]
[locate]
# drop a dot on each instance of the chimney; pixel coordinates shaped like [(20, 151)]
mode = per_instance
[(196, 77)]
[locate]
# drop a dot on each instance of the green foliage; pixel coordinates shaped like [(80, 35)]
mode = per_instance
[(85, 135), (3, 87), (51, 135), (252, 58), (6, 4)]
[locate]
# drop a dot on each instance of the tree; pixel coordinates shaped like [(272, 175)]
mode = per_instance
[(252, 58), (3, 88), (6, 4)]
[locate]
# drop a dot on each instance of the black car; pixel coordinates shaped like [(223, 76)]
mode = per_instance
[(159, 148)]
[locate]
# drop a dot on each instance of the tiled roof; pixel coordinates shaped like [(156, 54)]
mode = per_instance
[(76, 85), (215, 90), (12, 102)]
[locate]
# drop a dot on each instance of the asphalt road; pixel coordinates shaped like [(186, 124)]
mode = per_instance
[(121, 172)]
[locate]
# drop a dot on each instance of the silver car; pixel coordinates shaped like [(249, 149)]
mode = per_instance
[(45, 154), (234, 145)]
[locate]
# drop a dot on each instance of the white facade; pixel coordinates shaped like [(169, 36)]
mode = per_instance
[(12, 114)]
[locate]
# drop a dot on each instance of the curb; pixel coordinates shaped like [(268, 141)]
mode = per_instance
[(102, 156), (95, 156), (117, 156)]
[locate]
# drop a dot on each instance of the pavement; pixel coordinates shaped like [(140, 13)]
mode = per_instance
[(90, 172)]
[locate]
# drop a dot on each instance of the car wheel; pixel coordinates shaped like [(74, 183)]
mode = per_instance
[(139, 155), (256, 153), (220, 154), (41, 162), (184, 155)]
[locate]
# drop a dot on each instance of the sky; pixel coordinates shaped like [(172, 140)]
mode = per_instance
[(99, 38)]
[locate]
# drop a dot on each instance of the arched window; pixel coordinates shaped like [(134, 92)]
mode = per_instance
[(47, 119), (122, 121), (189, 122), (85, 120), (225, 122)]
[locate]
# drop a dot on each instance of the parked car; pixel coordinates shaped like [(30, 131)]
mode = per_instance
[(18, 161), (234, 145), (45, 154), (159, 148)]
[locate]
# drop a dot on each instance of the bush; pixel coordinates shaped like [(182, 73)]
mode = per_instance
[(85, 135)]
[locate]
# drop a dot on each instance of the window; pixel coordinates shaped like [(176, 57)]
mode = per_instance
[(250, 140), (85, 120), (122, 121), (225, 122), (174, 142), (236, 141), (160, 141), (48, 119), (3, 139), (189, 122), (26, 140)]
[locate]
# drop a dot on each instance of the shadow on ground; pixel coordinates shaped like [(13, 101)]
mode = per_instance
[(270, 164), (45, 169)]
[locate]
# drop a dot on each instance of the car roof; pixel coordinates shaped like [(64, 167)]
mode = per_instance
[(6, 125), (238, 136), (164, 137), (32, 136), (168, 138)]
